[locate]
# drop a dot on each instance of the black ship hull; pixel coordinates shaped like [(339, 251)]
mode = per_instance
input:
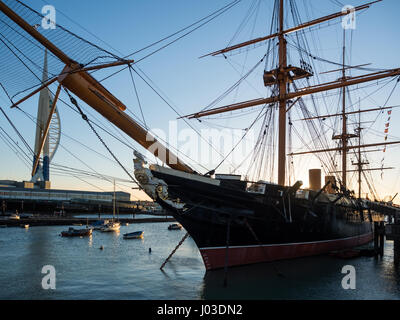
[(232, 226)]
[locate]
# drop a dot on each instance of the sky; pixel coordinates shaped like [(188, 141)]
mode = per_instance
[(189, 83)]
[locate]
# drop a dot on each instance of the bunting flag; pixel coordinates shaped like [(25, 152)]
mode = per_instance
[(387, 125)]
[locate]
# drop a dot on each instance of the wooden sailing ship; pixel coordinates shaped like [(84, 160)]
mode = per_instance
[(233, 221)]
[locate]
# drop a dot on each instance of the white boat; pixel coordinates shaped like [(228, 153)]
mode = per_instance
[(110, 227)]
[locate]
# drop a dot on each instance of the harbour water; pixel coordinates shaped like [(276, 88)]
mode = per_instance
[(125, 269)]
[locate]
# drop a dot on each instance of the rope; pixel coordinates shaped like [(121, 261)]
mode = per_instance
[(137, 97), (211, 17), (84, 117), (17, 132)]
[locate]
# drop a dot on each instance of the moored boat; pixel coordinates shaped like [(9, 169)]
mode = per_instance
[(134, 235), (71, 232), (97, 225), (111, 227), (240, 219), (175, 226), (237, 221)]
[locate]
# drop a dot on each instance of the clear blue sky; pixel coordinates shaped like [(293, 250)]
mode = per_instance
[(190, 83)]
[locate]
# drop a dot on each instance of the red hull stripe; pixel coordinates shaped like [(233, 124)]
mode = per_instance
[(215, 258)]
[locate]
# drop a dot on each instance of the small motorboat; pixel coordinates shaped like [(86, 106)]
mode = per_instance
[(134, 235), (111, 227), (175, 226), (26, 226), (71, 232)]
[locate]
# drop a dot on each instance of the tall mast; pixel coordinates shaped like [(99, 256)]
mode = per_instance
[(282, 80), (344, 118), (359, 156), (359, 163), (114, 201)]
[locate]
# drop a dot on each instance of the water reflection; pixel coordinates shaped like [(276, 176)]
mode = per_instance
[(306, 278), (125, 269), (36, 248)]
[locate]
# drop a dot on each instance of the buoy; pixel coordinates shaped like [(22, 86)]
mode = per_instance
[(101, 247), (149, 250)]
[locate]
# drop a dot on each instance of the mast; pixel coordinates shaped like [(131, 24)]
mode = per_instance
[(291, 30), (359, 163), (282, 81), (344, 118), (114, 201), (350, 81), (359, 156)]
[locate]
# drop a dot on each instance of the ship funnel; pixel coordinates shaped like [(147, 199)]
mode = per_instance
[(315, 179)]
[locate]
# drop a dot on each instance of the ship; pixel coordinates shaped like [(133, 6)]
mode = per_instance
[(237, 222), (234, 220)]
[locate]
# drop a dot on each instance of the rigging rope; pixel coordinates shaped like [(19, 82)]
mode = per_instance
[(14, 127), (176, 111), (215, 14), (84, 117), (137, 97)]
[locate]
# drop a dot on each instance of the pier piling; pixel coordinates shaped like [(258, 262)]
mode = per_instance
[(379, 238), (376, 238), (393, 233)]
